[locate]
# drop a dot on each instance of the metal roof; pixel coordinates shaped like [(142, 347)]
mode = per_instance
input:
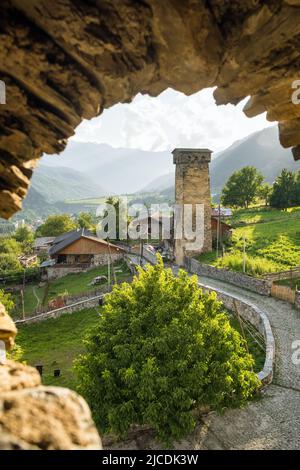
[(67, 239)]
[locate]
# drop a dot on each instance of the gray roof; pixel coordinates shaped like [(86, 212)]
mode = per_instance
[(47, 263), (67, 239), (42, 241)]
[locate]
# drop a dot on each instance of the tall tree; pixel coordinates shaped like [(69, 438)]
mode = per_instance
[(284, 190), (242, 187), (265, 192), (23, 234), (119, 214), (56, 225), (85, 220)]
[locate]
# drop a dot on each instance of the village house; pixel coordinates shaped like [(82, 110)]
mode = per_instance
[(28, 260), (223, 212), (42, 245), (77, 251), (225, 230), (161, 228)]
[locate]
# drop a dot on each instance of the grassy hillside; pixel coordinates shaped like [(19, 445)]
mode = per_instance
[(59, 184), (272, 241)]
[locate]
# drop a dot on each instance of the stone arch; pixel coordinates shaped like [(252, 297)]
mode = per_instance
[(62, 62)]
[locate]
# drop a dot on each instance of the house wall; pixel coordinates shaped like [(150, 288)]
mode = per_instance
[(61, 270), (103, 258), (85, 246), (225, 229), (56, 271)]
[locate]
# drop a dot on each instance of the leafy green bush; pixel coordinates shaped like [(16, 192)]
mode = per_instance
[(254, 265), (161, 349), (6, 300), (9, 262)]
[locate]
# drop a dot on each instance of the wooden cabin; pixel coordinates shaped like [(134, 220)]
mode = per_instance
[(80, 250), (225, 229)]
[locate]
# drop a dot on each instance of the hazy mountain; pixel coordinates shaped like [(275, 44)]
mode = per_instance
[(37, 203), (261, 149), (86, 170), (61, 183), (120, 170), (160, 183)]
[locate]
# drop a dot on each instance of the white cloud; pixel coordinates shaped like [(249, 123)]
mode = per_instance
[(170, 120)]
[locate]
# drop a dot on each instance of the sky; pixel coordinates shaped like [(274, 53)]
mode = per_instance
[(171, 120)]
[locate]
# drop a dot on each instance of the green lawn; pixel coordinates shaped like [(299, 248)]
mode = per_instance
[(72, 284), (55, 343)]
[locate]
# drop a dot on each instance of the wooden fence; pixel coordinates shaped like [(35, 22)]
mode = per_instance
[(283, 293)]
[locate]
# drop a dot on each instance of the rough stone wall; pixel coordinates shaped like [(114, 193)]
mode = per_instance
[(64, 61), (297, 299), (56, 313), (34, 417), (259, 320), (54, 272), (102, 259), (192, 186), (260, 286)]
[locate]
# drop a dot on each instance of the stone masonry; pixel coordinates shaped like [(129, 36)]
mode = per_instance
[(192, 186), (65, 61)]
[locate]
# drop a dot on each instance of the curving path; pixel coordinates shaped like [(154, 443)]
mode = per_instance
[(271, 422), (274, 421)]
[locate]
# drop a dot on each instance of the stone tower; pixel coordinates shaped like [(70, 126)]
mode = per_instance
[(192, 186)]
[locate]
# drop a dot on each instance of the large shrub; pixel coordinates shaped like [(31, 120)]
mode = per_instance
[(162, 348)]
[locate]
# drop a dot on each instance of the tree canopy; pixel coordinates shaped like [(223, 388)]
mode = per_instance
[(242, 187), (286, 190), (56, 225), (162, 348)]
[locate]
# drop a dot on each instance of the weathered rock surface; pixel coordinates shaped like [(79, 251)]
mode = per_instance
[(16, 376), (63, 61), (36, 417)]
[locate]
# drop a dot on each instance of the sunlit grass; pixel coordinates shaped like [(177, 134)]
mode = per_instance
[(272, 241), (55, 343)]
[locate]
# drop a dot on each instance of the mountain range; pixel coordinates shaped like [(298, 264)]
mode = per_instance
[(88, 170), (119, 170), (260, 149)]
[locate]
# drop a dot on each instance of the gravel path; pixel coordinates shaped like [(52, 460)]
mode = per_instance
[(274, 421)]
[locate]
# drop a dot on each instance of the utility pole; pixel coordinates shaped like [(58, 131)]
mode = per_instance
[(218, 229), (244, 254), (108, 272), (110, 264), (141, 251), (22, 295)]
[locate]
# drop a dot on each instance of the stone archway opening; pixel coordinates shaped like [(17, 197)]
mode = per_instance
[(67, 61)]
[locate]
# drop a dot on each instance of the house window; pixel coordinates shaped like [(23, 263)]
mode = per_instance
[(61, 259)]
